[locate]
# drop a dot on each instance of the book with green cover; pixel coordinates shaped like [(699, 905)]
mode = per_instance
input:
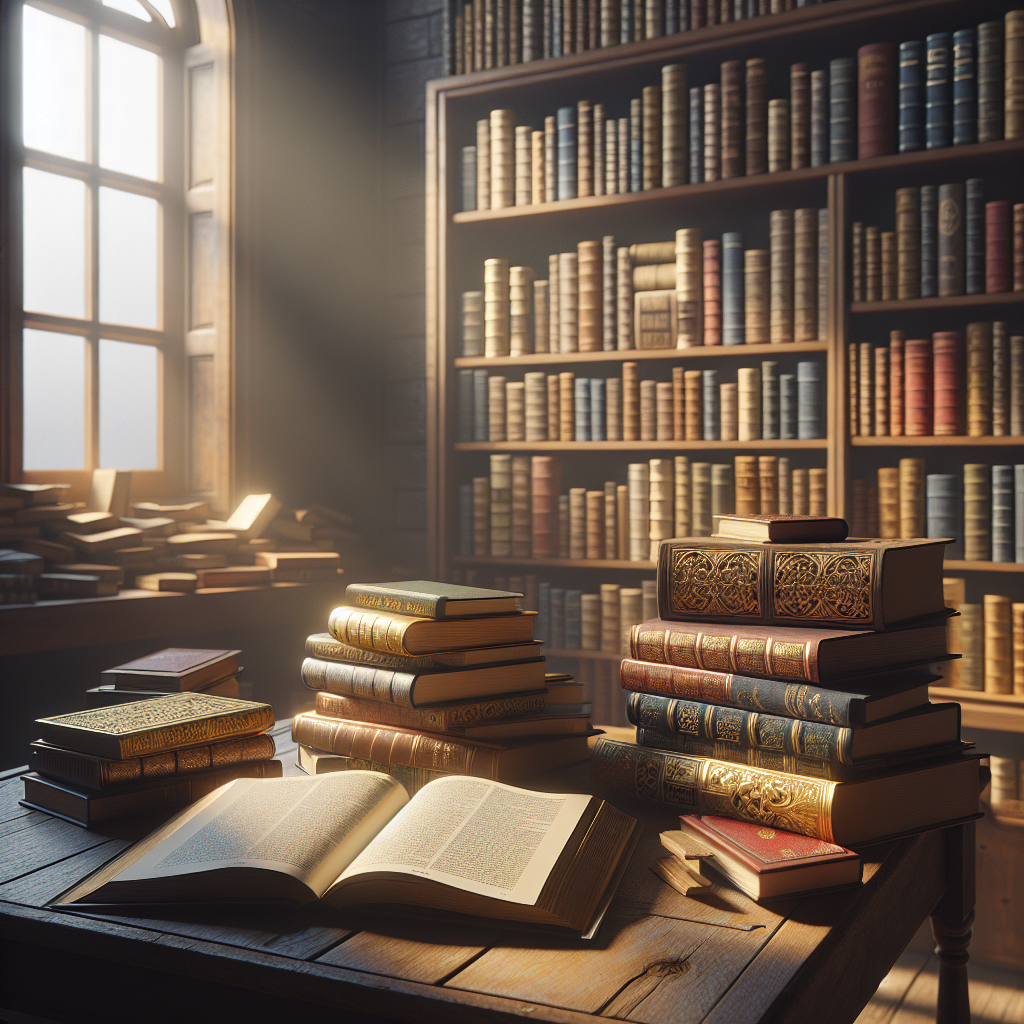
[(431, 600)]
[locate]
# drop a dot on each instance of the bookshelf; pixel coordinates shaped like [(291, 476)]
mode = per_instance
[(863, 190)]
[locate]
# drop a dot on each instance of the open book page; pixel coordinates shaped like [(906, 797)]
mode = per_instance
[(308, 828), (483, 837)]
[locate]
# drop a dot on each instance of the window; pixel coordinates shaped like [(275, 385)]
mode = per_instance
[(118, 184)]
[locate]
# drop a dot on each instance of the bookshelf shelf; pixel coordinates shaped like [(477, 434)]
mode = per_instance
[(632, 446), (561, 563), (938, 302), (959, 565), (932, 441), (638, 355)]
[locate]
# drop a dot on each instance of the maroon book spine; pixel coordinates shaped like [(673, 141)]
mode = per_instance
[(947, 353), (712, 292), (876, 100), (998, 230), (1018, 247), (545, 486), (917, 376), (895, 384)]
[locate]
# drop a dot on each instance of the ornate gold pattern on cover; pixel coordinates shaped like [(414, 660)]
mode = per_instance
[(787, 659), (177, 709), (715, 582), (823, 586), (750, 655), (687, 718), (715, 652), (729, 725), (770, 732)]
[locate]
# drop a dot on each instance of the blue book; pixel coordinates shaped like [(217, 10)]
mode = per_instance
[(712, 418), (671, 17), (567, 153), (787, 406), (974, 236), (557, 640), (481, 422), (842, 110), (636, 146), (942, 510), (597, 429), (819, 118), (469, 177), (582, 404), (809, 394), (1018, 512), (465, 519), (929, 241), (911, 118), (465, 402), (573, 620), (733, 316), (965, 87), (696, 135), (543, 621), (1002, 514), (769, 400), (938, 111)]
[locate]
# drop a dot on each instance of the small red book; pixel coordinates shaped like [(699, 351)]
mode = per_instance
[(767, 863)]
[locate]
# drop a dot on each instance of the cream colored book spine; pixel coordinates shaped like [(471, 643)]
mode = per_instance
[(567, 406), (520, 281), (541, 317), (496, 307), (609, 295), (693, 386), (564, 527), (535, 387), (972, 632), (663, 410), (639, 482), (613, 408), (515, 411), (1006, 780), (954, 594), (1017, 612), (599, 150), (536, 168), (700, 499), (611, 157), (748, 381), (648, 411), (631, 612), (675, 126), (497, 417), (554, 304), (524, 165), (590, 622), (611, 617), (865, 389), (611, 520), (623, 147), (723, 490), (472, 323), (977, 512), (712, 129), (584, 148), (522, 508), (651, 153), (550, 160), (778, 136), (785, 487), (768, 477), (780, 233), (554, 407), (568, 302), (998, 644), (755, 296), (678, 403), (888, 502), (595, 524), (503, 167), (662, 512), (481, 515), (690, 287), (590, 318), (681, 477), (483, 164), (801, 496), (630, 402), (501, 506), (577, 522), (623, 299), (622, 520), (817, 491), (882, 391), (912, 498), (805, 275), (728, 411)]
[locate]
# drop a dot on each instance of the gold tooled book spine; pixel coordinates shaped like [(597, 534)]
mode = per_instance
[(595, 524), (623, 147), (700, 499), (651, 137), (799, 116), (865, 389), (778, 135), (853, 385), (881, 392), (554, 302), (520, 310), (805, 274), (496, 416), (522, 508), (584, 148), (648, 421), (781, 281), (652, 277), (1017, 612), (896, 383), (663, 410), (755, 296), (682, 496), (888, 502), (535, 387), (979, 379), (524, 165), (972, 632), (908, 243), (590, 296), (609, 297), (872, 264), (889, 265), (501, 506), (496, 307), (727, 408), (675, 126), (998, 644)]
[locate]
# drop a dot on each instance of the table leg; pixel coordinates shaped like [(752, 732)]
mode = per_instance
[(951, 926)]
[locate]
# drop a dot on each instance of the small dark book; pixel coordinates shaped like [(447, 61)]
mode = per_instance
[(775, 528), (429, 600), (175, 668)]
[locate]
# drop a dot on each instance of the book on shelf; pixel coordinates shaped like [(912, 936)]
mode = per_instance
[(777, 528), (178, 668), (566, 881)]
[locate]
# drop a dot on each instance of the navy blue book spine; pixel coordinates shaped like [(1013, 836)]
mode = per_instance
[(465, 519), (942, 507), (733, 315), (842, 110), (469, 177), (696, 135), (787, 406), (770, 400), (712, 418), (597, 422), (573, 620), (636, 146), (567, 153), (1002, 514), (582, 404), (938, 117), (974, 235), (543, 626), (965, 87), (809, 394), (911, 100), (929, 241), (819, 118), (557, 618), (465, 401), (481, 424)]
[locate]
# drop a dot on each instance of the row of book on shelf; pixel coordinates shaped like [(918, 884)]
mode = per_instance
[(918, 387), (760, 404), (978, 248), (57, 550), (1007, 785), (495, 34), (521, 511), (982, 511), (655, 295), (989, 637), (952, 89)]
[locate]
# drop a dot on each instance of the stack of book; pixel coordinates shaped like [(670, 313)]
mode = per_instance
[(91, 766), (421, 680), (786, 683)]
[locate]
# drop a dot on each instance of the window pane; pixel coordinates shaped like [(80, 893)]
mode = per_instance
[(129, 114), (129, 405), (53, 383), (132, 7), (128, 258), (54, 244), (166, 10), (53, 84)]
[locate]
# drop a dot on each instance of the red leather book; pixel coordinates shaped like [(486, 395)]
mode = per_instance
[(998, 233), (895, 386), (712, 292), (768, 862), (948, 376), (546, 485), (917, 387), (876, 100)]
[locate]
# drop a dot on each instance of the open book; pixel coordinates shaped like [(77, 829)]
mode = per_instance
[(461, 844)]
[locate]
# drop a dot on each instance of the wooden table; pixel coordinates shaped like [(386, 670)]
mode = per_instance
[(659, 957)]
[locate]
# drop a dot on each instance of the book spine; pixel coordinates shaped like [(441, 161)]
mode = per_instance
[(819, 119), (979, 379), (611, 157), (584, 148), (1016, 388), (965, 87), (663, 410), (1000, 379), (503, 163), (810, 399), (611, 522), (990, 81), (651, 129), (522, 518), (496, 410), (778, 135), (972, 662), (590, 622), (1018, 532), (977, 514), (951, 240), (732, 143), (472, 323), (573, 620), (998, 644), (609, 339), (912, 506), (911, 96), (567, 173), (857, 261), (550, 160), (948, 384), (501, 513), (465, 402), (865, 389), (521, 315), (496, 307), (661, 496), (594, 524), (787, 406), (469, 177), (733, 326), (577, 522), (881, 401), (636, 156), (997, 240), (693, 389), (908, 242), (712, 129), (624, 300), (613, 408), (756, 264), (481, 515), (748, 486), (896, 384), (805, 275), (842, 109), (697, 785), (639, 484), (366, 682), (769, 400), (678, 403), (712, 291), (546, 485), (481, 413), (877, 90), (696, 147), (533, 30), (757, 115), (675, 127), (889, 265), (590, 271), (942, 497), (524, 165), (630, 402), (568, 302), (700, 499), (974, 236), (938, 91), (681, 477), (800, 116), (712, 419), (648, 421), (872, 264), (748, 382), (689, 287), (483, 164), (823, 274), (541, 316), (611, 23), (1003, 514), (582, 407)]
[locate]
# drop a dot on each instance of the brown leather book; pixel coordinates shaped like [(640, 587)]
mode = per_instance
[(908, 243), (979, 379), (799, 116), (876, 100), (998, 231), (857, 261), (748, 485), (757, 117), (948, 374), (694, 402), (712, 291), (651, 136), (896, 384), (1002, 388), (733, 148), (546, 486), (590, 269), (630, 402), (675, 125), (918, 402), (584, 148)]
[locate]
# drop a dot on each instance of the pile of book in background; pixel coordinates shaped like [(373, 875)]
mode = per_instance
[(786, 684), (57, 549), (188, 738), (420, 679)]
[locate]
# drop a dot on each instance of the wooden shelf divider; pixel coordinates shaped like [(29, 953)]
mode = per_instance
[(933, 441)]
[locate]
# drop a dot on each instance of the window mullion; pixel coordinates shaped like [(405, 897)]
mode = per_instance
[(92, 430)]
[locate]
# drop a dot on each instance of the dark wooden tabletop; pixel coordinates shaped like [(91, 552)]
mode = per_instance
[(717, 957)]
